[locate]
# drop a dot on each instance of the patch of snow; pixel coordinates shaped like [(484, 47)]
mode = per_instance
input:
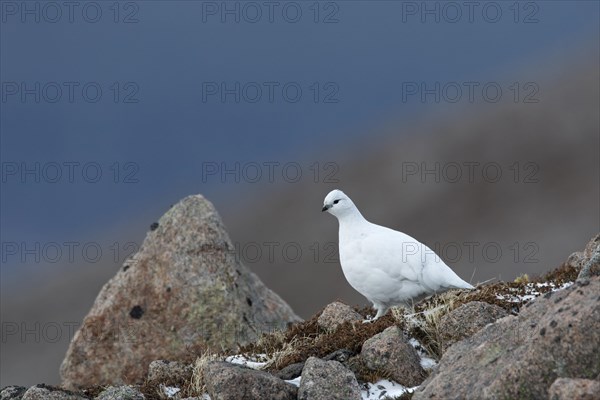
[(563, 286), (295, 381), (205, 397), (426, 361), (382, 389), (170, 391), (531, 292), (526, 297), (255, 361)]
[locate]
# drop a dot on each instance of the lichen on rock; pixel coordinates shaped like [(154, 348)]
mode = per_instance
[(183, 291)]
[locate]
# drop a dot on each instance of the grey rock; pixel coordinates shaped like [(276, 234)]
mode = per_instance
[(336, 314), (467, 319), (292, 371), (390, 353), (574, 389), (46, 392), (12, 393), (591, 268), (589, 259), (341, 355), (120, 393), (169, 372), (327, 380), (519, 357), (225, 381), (184, 289)]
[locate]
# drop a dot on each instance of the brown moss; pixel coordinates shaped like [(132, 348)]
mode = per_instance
[(365, 374), (151, 391), (348, 336), (306, 339), (563, 274)]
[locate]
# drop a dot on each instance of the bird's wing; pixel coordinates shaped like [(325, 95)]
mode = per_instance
[(394, 253), (438, 275), (401, 257)]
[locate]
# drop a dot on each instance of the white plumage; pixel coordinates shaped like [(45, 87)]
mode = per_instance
[(388, 267)]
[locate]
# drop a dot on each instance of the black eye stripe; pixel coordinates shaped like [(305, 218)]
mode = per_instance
[(336, 201)]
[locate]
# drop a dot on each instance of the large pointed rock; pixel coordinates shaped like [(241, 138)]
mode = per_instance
[(185, 290)]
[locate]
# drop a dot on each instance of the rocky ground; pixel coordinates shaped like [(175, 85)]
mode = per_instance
[(185, 319)]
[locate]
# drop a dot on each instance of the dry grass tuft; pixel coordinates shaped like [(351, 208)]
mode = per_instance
[(306, 339), (425, 326), (522, 279), (197, 385)]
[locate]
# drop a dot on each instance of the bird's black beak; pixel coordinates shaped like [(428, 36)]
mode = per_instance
[(326, 207)]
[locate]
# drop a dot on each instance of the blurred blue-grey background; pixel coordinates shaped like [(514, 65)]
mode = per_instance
[(473, 128)]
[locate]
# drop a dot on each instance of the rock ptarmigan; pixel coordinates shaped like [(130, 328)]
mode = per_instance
[(388, 267)]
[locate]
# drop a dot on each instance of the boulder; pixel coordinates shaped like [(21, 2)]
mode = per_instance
[(467, 319), (336, 314), (169, 372), (390, 353), (120, 393), (587, 260), (225, 381), (574, 389), (184, 289), (556, 335), (12, 393), (292, 371), (46, 392), (341, 355), (327, 380)]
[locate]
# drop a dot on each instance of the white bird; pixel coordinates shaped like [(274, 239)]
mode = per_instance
[(388, 267)]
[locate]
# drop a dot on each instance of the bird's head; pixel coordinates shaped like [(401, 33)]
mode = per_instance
[(337, 203)]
